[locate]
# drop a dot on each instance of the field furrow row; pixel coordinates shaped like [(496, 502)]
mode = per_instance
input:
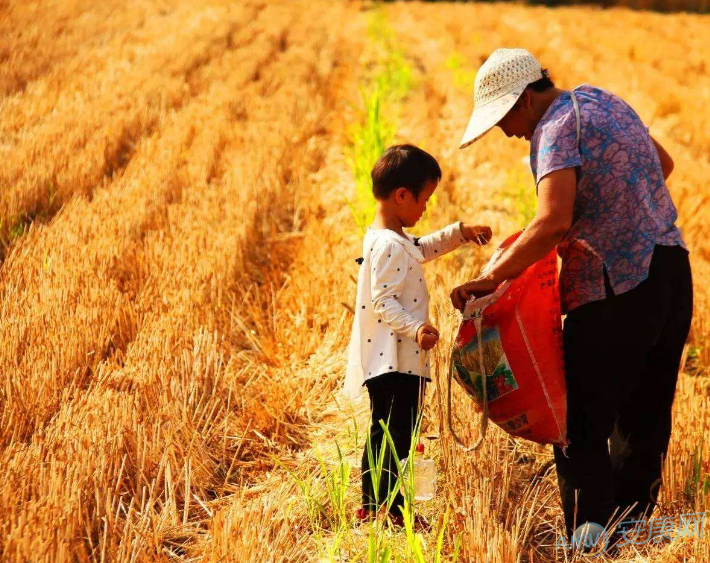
[(169, 400), (88, 128)]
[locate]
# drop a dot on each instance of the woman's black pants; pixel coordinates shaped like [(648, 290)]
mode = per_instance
[(394, 399), (622, 356)]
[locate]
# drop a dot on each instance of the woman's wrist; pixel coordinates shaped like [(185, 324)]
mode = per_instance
[(491, 277)]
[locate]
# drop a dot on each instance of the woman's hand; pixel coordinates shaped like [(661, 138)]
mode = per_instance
[(479, 287), (477, 233)]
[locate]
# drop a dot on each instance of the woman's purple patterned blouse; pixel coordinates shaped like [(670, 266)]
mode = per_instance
[(622, 207)]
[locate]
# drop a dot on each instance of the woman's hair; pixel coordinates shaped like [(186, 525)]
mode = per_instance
[(543, 83), (403, 166)]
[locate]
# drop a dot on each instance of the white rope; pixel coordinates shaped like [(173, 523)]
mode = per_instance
[(478, 318)]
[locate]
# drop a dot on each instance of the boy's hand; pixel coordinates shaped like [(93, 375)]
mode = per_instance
[(427, 336), (477, 233)]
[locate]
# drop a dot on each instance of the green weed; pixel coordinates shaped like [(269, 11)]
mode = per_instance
[(520, 188), (325, 493), (464, 75), (698, 481), (389, 80), (368, 141)]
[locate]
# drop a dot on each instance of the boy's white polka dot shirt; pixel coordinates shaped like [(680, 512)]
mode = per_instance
[(392, 303)]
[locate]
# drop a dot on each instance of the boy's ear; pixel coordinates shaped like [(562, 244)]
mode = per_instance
[(400, 194)]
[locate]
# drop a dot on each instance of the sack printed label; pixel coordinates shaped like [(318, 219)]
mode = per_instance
[(500, 380), (514, 425)]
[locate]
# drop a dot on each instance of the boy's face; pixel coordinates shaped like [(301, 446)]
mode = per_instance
[(410, 208)]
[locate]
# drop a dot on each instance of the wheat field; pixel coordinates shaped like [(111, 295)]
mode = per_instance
[(181, 201)]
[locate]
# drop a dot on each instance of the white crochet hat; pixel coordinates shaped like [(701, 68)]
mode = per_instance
[(499, 83)]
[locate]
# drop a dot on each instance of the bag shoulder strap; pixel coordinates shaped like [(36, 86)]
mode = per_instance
[(578, 119), (575, 104)]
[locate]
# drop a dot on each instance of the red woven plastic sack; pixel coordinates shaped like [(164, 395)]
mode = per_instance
[(521, 342)]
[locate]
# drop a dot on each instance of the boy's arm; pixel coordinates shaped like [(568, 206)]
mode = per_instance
[(442, 241), (389, 263)]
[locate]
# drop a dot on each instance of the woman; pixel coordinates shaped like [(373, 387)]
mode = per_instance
[(625, 282)]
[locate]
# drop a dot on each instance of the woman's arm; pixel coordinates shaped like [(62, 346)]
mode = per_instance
[(552, 220), (666, 160)]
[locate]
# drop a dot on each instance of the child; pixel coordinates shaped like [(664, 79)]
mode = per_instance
[(391, 332)]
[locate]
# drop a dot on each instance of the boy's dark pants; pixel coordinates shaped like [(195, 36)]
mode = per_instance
[(622, 356), (394, 396)]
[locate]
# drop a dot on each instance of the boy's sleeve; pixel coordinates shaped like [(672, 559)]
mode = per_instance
[(442, 241), (389, 263)]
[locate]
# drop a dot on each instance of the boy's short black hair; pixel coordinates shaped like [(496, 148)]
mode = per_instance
[(542, 84), (403, 166)]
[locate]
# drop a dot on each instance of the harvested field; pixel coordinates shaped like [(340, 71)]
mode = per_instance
[(178, 247)]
